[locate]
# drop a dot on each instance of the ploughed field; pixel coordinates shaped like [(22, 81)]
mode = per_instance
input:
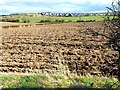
[(43, 47)]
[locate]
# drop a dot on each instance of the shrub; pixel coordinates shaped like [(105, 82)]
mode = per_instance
[(89, 21), (12, 20), (56, 20), (26, 21), (26, 25), (42, 21), (5, 26), (47, 21), (70, 21), (80, 21), (62, 20), (3, 20), (14, 26)]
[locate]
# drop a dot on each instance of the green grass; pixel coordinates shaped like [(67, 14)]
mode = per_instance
[(16, 15), (43, 81), (66, 19), (53, 19), (73, 19), (96, 18)]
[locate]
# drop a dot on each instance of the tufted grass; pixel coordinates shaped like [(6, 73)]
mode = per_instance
[(57, 81)]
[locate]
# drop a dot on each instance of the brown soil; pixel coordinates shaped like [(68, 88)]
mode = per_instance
[(42, 46), (14, 23)]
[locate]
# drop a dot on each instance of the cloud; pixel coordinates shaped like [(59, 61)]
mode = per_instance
[(23, 9), (97, 11), (68, 7), (63, 1), (36, 6), (54, 8)]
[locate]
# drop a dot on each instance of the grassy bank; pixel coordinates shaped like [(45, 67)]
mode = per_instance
[(57, 81)]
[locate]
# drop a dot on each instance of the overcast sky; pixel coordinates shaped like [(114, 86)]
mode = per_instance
[(67, 6)]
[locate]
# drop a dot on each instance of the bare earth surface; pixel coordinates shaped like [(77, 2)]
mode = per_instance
[(14, 23), (43, 46)]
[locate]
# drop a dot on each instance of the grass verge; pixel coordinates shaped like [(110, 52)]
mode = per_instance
[(53, 81)]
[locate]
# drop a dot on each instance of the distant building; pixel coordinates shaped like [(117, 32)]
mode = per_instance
[(62, 14)]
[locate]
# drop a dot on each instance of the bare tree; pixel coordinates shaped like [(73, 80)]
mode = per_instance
[(114, 29), (111, 29)]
